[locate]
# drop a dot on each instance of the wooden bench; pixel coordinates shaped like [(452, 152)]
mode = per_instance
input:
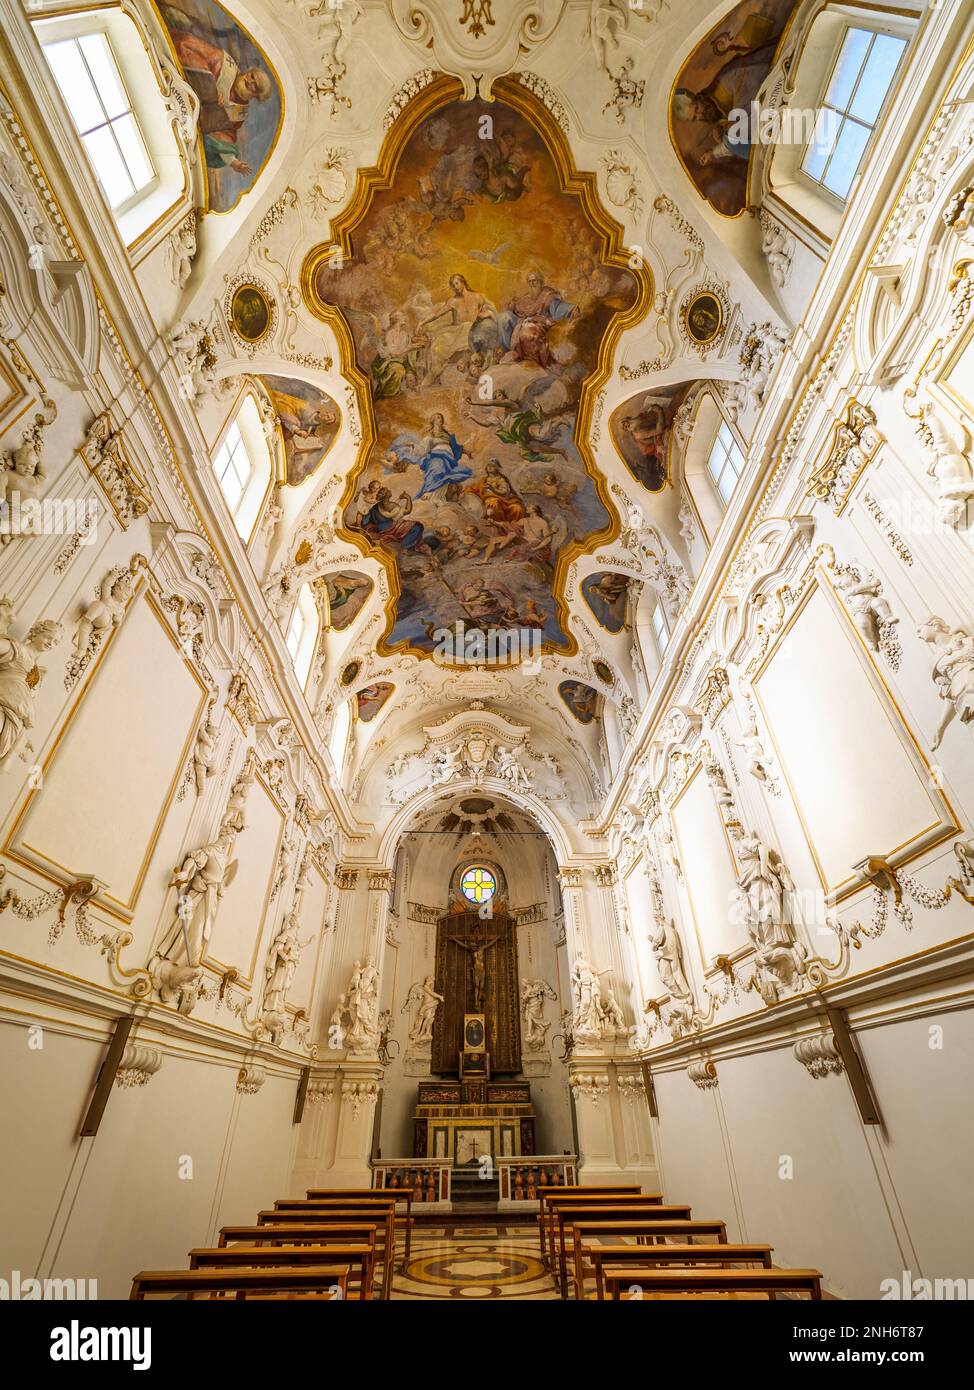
[(582, 1197), (598, 1256), (308, 1214), (327, 1279), (399, 1194), (566, 1217), (356, 1232), (673, 1279), (549, 1190), (359, 1257)]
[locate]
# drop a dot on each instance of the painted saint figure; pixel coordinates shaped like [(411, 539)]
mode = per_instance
[(525, 322), (224, 92)]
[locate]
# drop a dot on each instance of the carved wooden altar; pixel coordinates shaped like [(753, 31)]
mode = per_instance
[(458, 936)]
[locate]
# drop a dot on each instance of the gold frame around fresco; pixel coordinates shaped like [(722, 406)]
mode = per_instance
[(581, 185), (156, 13), (678, 82)]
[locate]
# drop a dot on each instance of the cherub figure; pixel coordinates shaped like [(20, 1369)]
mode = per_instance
[(104, 612)]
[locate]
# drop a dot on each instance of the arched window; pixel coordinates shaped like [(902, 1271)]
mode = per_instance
[(848, 65), (725, 463), (854, 96), (302, 633), (713, 463), (111, 91), (243, 467), (338, 734)]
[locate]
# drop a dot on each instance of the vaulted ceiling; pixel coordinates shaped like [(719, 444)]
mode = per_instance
[(494, 282)]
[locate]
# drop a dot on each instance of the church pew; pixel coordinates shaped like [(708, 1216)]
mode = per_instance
[(323, 1278), (588, 1197), (359, 1257), (400, 1194), (308, 1214), (548, 1190), (620, 1280), (649, 1209), (358, 1232), (598, 1256)]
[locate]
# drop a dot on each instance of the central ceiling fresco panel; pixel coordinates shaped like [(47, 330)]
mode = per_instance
[(482, 289)]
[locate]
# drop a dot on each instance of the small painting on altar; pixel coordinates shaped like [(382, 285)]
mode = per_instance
[(469, 1145)]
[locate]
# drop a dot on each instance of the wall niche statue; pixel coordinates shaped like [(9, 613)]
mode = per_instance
[(534, 994)]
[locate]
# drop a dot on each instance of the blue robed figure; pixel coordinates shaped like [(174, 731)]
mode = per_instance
[(440, 459)]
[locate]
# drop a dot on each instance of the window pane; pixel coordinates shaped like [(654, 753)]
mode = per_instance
[(725, 484), (819, 149), (851, 56), (240, 463), (75, 84), (109, 165), (736, 459), (133, 150), (101, 65), (846, 156), (294, 632), (877, 77)]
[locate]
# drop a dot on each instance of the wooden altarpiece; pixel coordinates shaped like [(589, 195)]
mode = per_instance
[(455, 980)]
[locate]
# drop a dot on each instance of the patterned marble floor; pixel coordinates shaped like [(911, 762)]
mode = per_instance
[(499, 1261)]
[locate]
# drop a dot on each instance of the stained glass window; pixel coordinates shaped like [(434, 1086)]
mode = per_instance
[(478, 884)]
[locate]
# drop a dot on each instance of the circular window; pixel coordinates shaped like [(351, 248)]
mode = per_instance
[(478, 884)]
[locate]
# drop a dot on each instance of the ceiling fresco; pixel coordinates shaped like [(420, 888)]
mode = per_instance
[(241, 103), (642, 428), (581, 699), (309, 421), (607, 594), (724, 74), (481, 289), (370, 699), (347, 593)]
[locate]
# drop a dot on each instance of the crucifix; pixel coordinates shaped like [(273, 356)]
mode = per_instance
[(478, 967)]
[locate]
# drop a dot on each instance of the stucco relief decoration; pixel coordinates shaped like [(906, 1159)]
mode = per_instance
[(762, 903), (485, 37), (98, 618), (20, 675), (201, 881), (855, 443), (948, 463), (23, 479), (123, 484)]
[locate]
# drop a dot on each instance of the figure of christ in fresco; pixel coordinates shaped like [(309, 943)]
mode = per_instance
[(525, 322), (224, 92), (470, 327)]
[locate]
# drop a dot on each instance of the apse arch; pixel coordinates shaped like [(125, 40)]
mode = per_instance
[(526, 803)]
